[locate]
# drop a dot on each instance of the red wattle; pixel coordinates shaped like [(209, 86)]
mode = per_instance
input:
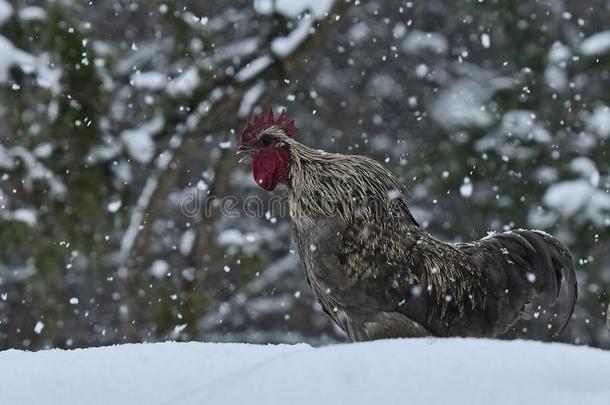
[(269, 169), (263, 170)]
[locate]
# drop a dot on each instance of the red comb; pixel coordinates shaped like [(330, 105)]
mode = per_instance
[(259, 123)]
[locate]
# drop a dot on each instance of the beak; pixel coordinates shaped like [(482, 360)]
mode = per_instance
[(244, 150)]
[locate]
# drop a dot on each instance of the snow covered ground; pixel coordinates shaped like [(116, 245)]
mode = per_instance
[(415, 371)]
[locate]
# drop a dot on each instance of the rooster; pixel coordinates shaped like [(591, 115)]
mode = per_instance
[(377, 273)]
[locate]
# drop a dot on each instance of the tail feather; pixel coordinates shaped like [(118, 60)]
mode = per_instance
[(534, 269), (536, 255), (562, 260), (557, 272)]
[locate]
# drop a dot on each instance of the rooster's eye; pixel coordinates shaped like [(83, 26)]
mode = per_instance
[(266, 140)]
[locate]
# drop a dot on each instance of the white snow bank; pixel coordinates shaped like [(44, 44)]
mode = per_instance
[(415, 371)]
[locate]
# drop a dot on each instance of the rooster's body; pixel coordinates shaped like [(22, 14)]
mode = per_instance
[(378, 274)]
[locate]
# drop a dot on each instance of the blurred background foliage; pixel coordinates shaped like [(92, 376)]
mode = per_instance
[(113, 114)]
